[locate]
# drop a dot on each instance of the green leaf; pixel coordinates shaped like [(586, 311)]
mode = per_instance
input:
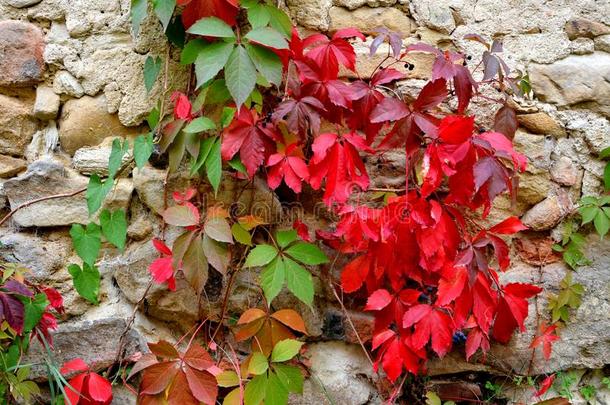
[(280, 20), (213, 165), (142, 149), (212, 27), (299, 281), (218, 229), (285, 349), (258, 363), (211, 59), (260, 256), (195, 265), (267, 36), (164, 10), (255, 390), (152, 67), (191, 51), (86, 281), (605, 153), (258, 15), (97, 191), (285, 237), (34, 308), (227, 116), (199, 124), (217, 253), (119, 149), (602, 223), (276, 392), (218, 93), (241, 235), (114, 227), (237, 164), (267, 63), (176, 151), (307, 253), (138, 13), (175, 32), (86, 241), (290, 377), (588, 213), (153, 118), (272, 279), (204, 151), (240, 75), (607, 177)]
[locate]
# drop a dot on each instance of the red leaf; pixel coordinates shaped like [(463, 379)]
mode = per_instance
[(198, 358), (287, 164), (250, 137), (431, 95), (331, 53), (73, 391), (161, 247), (456, 129), (354, 273), (476, 339), (512, 310), (182, 106), (75, 365), (157, 377), (202, 384), (226, 10), (451, 287), (180, 392), (505, 122), (509, 226), (302, 230), (164, 349), (545, 385), (161, 269), (99, 388), (55, 298), (430, 324), (378, 300), (547, 335)]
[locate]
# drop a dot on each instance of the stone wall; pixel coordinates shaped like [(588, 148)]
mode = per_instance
[(71, 79)]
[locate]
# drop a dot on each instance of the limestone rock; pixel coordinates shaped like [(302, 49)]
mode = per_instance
[(43, 254), (541, 123), (343, 369), (10, 166), (435, 15), (86, 122), (96, 17), (582, 46), (576, 80), (94, 159), (22, 3), (47, 177), (21, 49), (354, 4), (582, 27), (543, 47), (533, 188), (547, 213), (46, 105), (536, 148), (16, 125), (602, 43), (65, 83), (94, 341), (311, 14), (367, 20), (565, 172)]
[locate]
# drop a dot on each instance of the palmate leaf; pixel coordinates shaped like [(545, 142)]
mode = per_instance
[(290, 377), (142, 149), (285, 350), (256, 390), (195, 264), (272, 278), (240, 75), (138, 13), (267, 36), (164, 10), (276, 392), (299, 281), (97, 190), (152, 67), (266, 62), (260, 256), (307, 253), (213, 165)]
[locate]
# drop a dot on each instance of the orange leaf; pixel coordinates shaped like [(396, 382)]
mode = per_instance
[(164, 349), (198, 358), (179, 392), (291, 319), (157, 377), (202, 384)]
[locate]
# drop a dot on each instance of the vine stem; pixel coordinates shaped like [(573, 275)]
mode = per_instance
[(41, 199)]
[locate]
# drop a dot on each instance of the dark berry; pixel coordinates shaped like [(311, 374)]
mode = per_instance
[(459, 337), (411, 66), (430, 289), (469, 57), (423, 298), (407, 65), (464, 63)]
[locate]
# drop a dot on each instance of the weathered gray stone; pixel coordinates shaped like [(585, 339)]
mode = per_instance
[(16, 125), (354, 4), (578, 80), (368, 19), (86, 122), (65, 83), (21, 48), (582, 46), (96, 17), (47, 177), (10, 166), (94, 341), (544, 47), (41, 254), (435, 15), (536, 148), (343, 371), (46, 105), (22, 3), (602, 43)]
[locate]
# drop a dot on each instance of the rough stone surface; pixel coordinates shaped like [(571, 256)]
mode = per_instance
[(86, 122), (354, 4), (541, 123), (21, 48), (47, 177), (547, 213), (17, 126), (311, 14), (435, 15), (22, 3), (76, 339), (565, 172), (342, 370), (65, 83), (46, 105), (368, 19), (579, 80), (10, 166), (582, 27), (94, 159)]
